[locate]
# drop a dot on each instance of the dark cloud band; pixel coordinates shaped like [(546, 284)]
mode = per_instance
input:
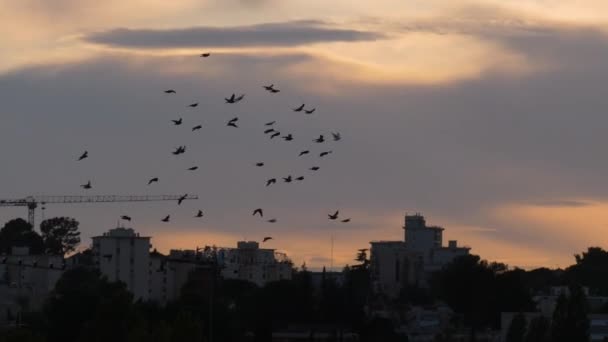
[(272, 34)]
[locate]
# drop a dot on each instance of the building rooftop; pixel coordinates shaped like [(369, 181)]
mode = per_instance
[(121, 232)]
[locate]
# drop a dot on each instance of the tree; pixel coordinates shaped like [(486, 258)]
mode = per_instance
[(60, 235), (570, 321), (538, 330), (19, 233), (517, 329), (591, 269)]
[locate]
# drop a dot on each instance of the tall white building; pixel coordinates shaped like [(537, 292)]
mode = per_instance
[(395, 264), (123, 255), (250, 262)]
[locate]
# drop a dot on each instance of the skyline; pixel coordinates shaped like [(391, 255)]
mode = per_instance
[(486, 118)]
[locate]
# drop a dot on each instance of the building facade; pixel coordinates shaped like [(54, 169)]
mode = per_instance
[(395, 264), (250, 262), (123, 255)]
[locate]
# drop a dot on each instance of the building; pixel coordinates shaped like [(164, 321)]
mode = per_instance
[(26, 280), (250, 262), (395, 264), (123, 255)]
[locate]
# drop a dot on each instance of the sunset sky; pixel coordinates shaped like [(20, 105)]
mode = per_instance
[(488, 117)]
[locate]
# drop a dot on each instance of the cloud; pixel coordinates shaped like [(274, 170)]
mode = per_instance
[(291, 33)]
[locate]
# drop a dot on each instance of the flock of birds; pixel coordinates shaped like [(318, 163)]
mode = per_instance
[(269, 130)]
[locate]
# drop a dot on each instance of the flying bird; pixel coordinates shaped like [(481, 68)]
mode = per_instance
[(314, 168), (299, 109), (323, 154), (288, 137), (239, 98), (181, 199), (153, 180), (206, 54), (304, 152), (170, 91), (231, 99), (334, 216), (320, 139), (179, 150), (270, 123), (177, 122), (301, 178), (267, 238), (270, 130), (199, 214), (274, 91), (193, 168), (271, 181), (195, 128), (270, 87), (336, 136), (84, 155), (346, 220), (125, 217), (287, 179), (259, 212), (87, 186), (260, 164), (275, 135), (232, 123), (310, 111), (272, 220), (193, 104), (166, 219)]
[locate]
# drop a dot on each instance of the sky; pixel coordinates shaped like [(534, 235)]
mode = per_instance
[(486, 116)]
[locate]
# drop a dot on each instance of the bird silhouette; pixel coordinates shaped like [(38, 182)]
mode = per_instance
[(125, 217), (304, 152), (239, 98), (334, 216), (299, 109), (270, 130), (199, 214), (267, 238), (320, 139), (271, 181), (193, 168), (287, 179), (301, 178), (274, 91), (272, 220), (179, 150), (231, 99), (270, 123), (206, 54), (260, 164), (258, 211), (166, 219), (87, 185), (84, 155), (170, 91), (232, 123), (181, 199), (177, 122), (270, 87), (193, 104), (314, 168), (310, 111), (275, 135), (337, 136), (323, 154), (288, 137), (195, 128), (153, 180), (346, 220)]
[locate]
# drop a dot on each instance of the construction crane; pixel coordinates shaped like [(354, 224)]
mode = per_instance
[(32, 202)]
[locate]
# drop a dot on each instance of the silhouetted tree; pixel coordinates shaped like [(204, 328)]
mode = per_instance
[(60, 235), (517, 329), (591, 269), (570, 321), (538, 330), (19, 233)]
